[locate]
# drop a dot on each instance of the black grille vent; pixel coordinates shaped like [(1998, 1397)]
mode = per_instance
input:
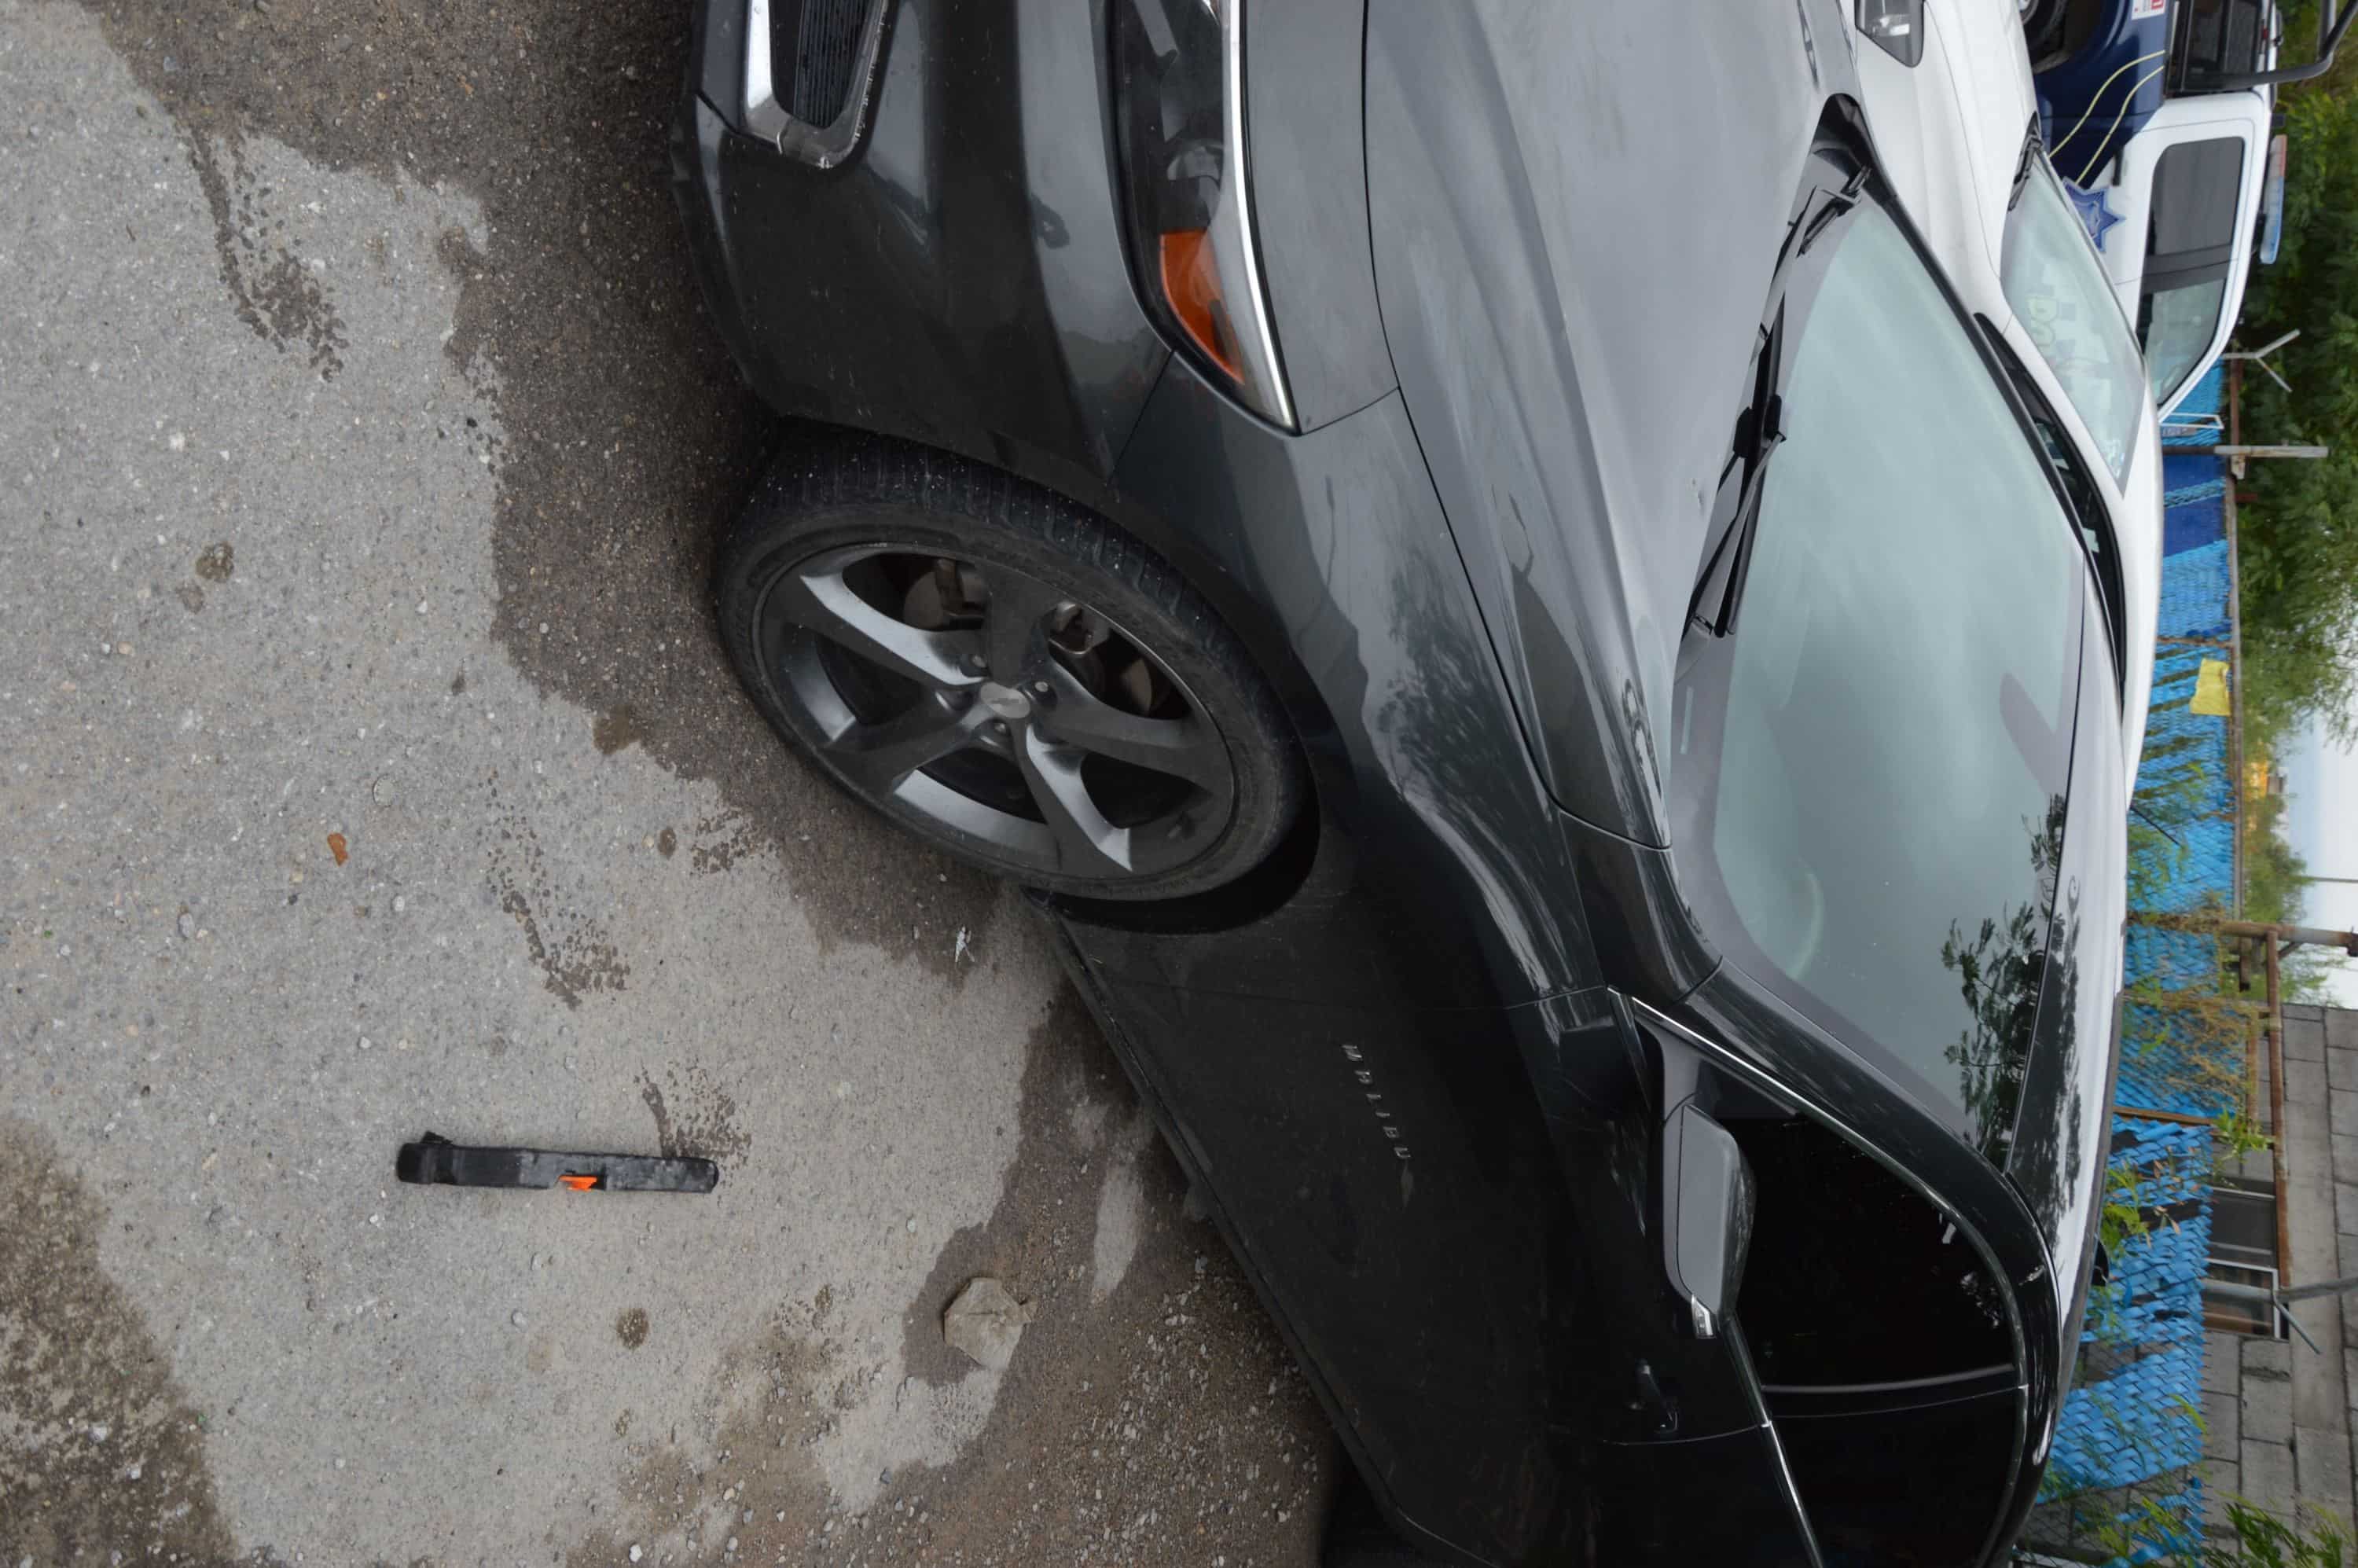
[(813, 47)]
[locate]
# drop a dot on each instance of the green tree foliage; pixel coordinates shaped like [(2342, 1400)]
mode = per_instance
[(2274, 890), (2257, 1539), (2298, 539), (2299, 533)]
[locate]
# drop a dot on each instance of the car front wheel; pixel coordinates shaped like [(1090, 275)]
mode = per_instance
[(1004, 674)]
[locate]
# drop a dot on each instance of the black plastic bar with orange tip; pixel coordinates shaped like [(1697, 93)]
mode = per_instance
[(435, 1160)]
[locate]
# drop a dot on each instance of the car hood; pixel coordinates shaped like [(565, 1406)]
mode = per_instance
[(1576, 214)]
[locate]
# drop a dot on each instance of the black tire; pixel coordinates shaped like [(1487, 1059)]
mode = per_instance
[(1356, 1535), (855, 499)]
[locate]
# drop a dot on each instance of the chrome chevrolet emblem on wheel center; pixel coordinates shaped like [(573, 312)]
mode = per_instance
[(1004, 701)]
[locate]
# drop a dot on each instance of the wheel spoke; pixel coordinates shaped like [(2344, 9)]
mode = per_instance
[(1014, 629), (878, 756), (824, 603), (1184, 748), (1086, 844)]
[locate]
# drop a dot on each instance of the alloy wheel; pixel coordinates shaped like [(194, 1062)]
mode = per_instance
[(988, 705)]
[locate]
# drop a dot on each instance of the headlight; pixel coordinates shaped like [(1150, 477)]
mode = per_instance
[(1179, 86), (1897, 25)]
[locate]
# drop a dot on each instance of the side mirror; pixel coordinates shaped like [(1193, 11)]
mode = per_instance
[(1706, 1219)]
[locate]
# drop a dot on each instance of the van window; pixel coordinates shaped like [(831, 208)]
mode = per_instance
[(2189, 242), (2194, 189), (2178, 327), (2215, 39)]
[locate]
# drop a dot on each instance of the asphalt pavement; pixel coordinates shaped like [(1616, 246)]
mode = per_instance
[(368, 767)]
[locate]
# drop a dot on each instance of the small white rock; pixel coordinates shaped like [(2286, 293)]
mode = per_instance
[(986, 1322), (364, 1041), (188, 926), (634, 1551), (516, 1318)]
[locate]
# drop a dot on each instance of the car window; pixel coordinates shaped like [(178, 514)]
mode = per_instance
[(2059, 292), (1870, 769), (2179, 327), (1894, 1293), (1883, 1347)]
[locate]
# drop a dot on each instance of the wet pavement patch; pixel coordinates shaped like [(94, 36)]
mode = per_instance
[(576, 956), (697, 1118), (104, 1457), (629, 441), (609, 732)]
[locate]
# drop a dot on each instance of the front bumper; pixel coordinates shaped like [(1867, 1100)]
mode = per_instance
[(957, 278)]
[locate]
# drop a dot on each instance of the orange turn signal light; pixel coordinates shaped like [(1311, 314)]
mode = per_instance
[(578, 1183), (1191, 281)]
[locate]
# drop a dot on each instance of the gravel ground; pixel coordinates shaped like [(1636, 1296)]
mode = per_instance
[(371, 768)]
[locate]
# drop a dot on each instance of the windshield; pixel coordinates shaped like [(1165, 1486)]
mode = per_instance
[(2179, 324), (2059, 294), (1892, 715)]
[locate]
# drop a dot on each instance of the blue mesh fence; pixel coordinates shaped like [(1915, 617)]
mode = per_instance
[(2193, 513), (2130, 1435), (2130, 1418), (2196, 421), (2194, 592)]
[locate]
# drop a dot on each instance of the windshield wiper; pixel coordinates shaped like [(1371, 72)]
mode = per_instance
[(2031, 147), (1760, 427), (1759, 430)]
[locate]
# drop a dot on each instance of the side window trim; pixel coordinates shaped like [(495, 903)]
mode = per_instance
[(2177, 272), (1946, 1384), (1837, 1402)]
